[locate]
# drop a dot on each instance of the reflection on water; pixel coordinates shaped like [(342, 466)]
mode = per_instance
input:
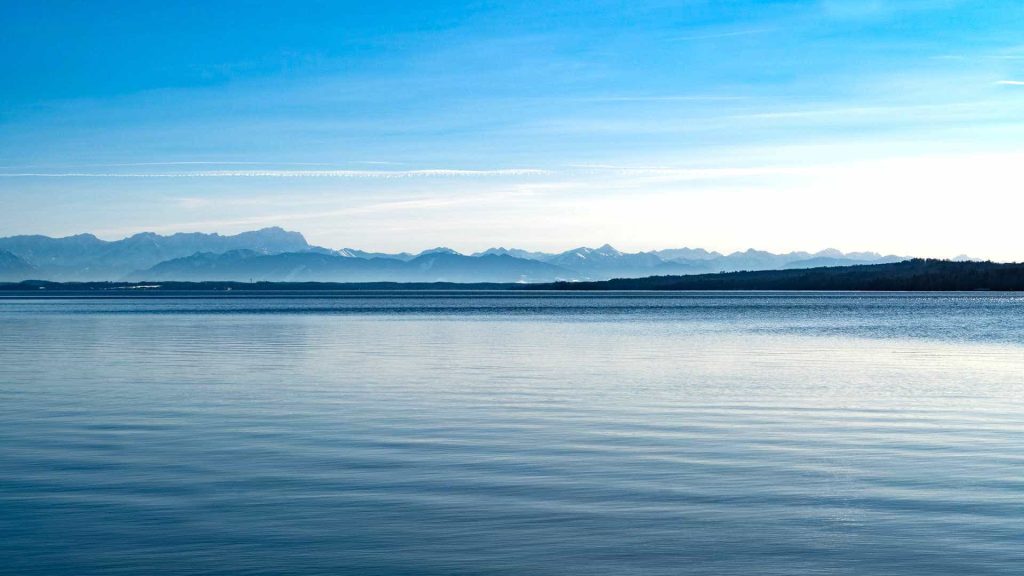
[(512, 433)]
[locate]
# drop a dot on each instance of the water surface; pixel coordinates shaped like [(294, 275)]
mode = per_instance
[(491, 433)]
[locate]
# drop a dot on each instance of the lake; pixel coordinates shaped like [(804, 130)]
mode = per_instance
[(512, 433)]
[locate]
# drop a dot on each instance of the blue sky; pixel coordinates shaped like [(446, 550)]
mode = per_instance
[(895, 126)]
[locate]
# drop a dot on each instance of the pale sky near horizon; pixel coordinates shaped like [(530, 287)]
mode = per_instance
[(893, 126)]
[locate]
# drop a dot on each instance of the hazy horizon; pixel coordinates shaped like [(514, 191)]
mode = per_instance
[(892, 127)]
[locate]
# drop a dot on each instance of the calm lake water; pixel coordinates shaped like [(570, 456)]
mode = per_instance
[(511, 433)]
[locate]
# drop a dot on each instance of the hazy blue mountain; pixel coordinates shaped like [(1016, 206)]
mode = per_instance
[(605, 253), (820, 261), (680, 266), (403, 256), (434, 266), (757, 260), (45, 252), (686, 254), (761, 260), (450, 267), (516, 252), (966, 258), (147, 248), (85, 257), (439, 250), (14, 268), (354, 253), (607, 262)]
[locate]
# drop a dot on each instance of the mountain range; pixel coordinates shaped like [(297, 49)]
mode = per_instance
[(274, 254)]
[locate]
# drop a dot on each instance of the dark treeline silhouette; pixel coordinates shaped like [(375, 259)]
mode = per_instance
[(911, 275)]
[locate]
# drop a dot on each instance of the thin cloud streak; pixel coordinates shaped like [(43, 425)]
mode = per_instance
[(378, 174), (676, 173), (664, 98), (570, 175), (214, 163)]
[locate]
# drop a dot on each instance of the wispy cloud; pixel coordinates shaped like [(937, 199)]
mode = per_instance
[(580, 170), (571, 175), (377, 174), (212, 163), (1010, 83), (663, 98)]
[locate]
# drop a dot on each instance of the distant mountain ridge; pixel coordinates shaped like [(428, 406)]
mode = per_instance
[(275, 254), (86, 257)]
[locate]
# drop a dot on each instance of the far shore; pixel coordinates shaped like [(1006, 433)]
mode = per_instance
[(909, 276)]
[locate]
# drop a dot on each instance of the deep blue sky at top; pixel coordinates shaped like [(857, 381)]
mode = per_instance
[(58, 50), (597, 101)]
